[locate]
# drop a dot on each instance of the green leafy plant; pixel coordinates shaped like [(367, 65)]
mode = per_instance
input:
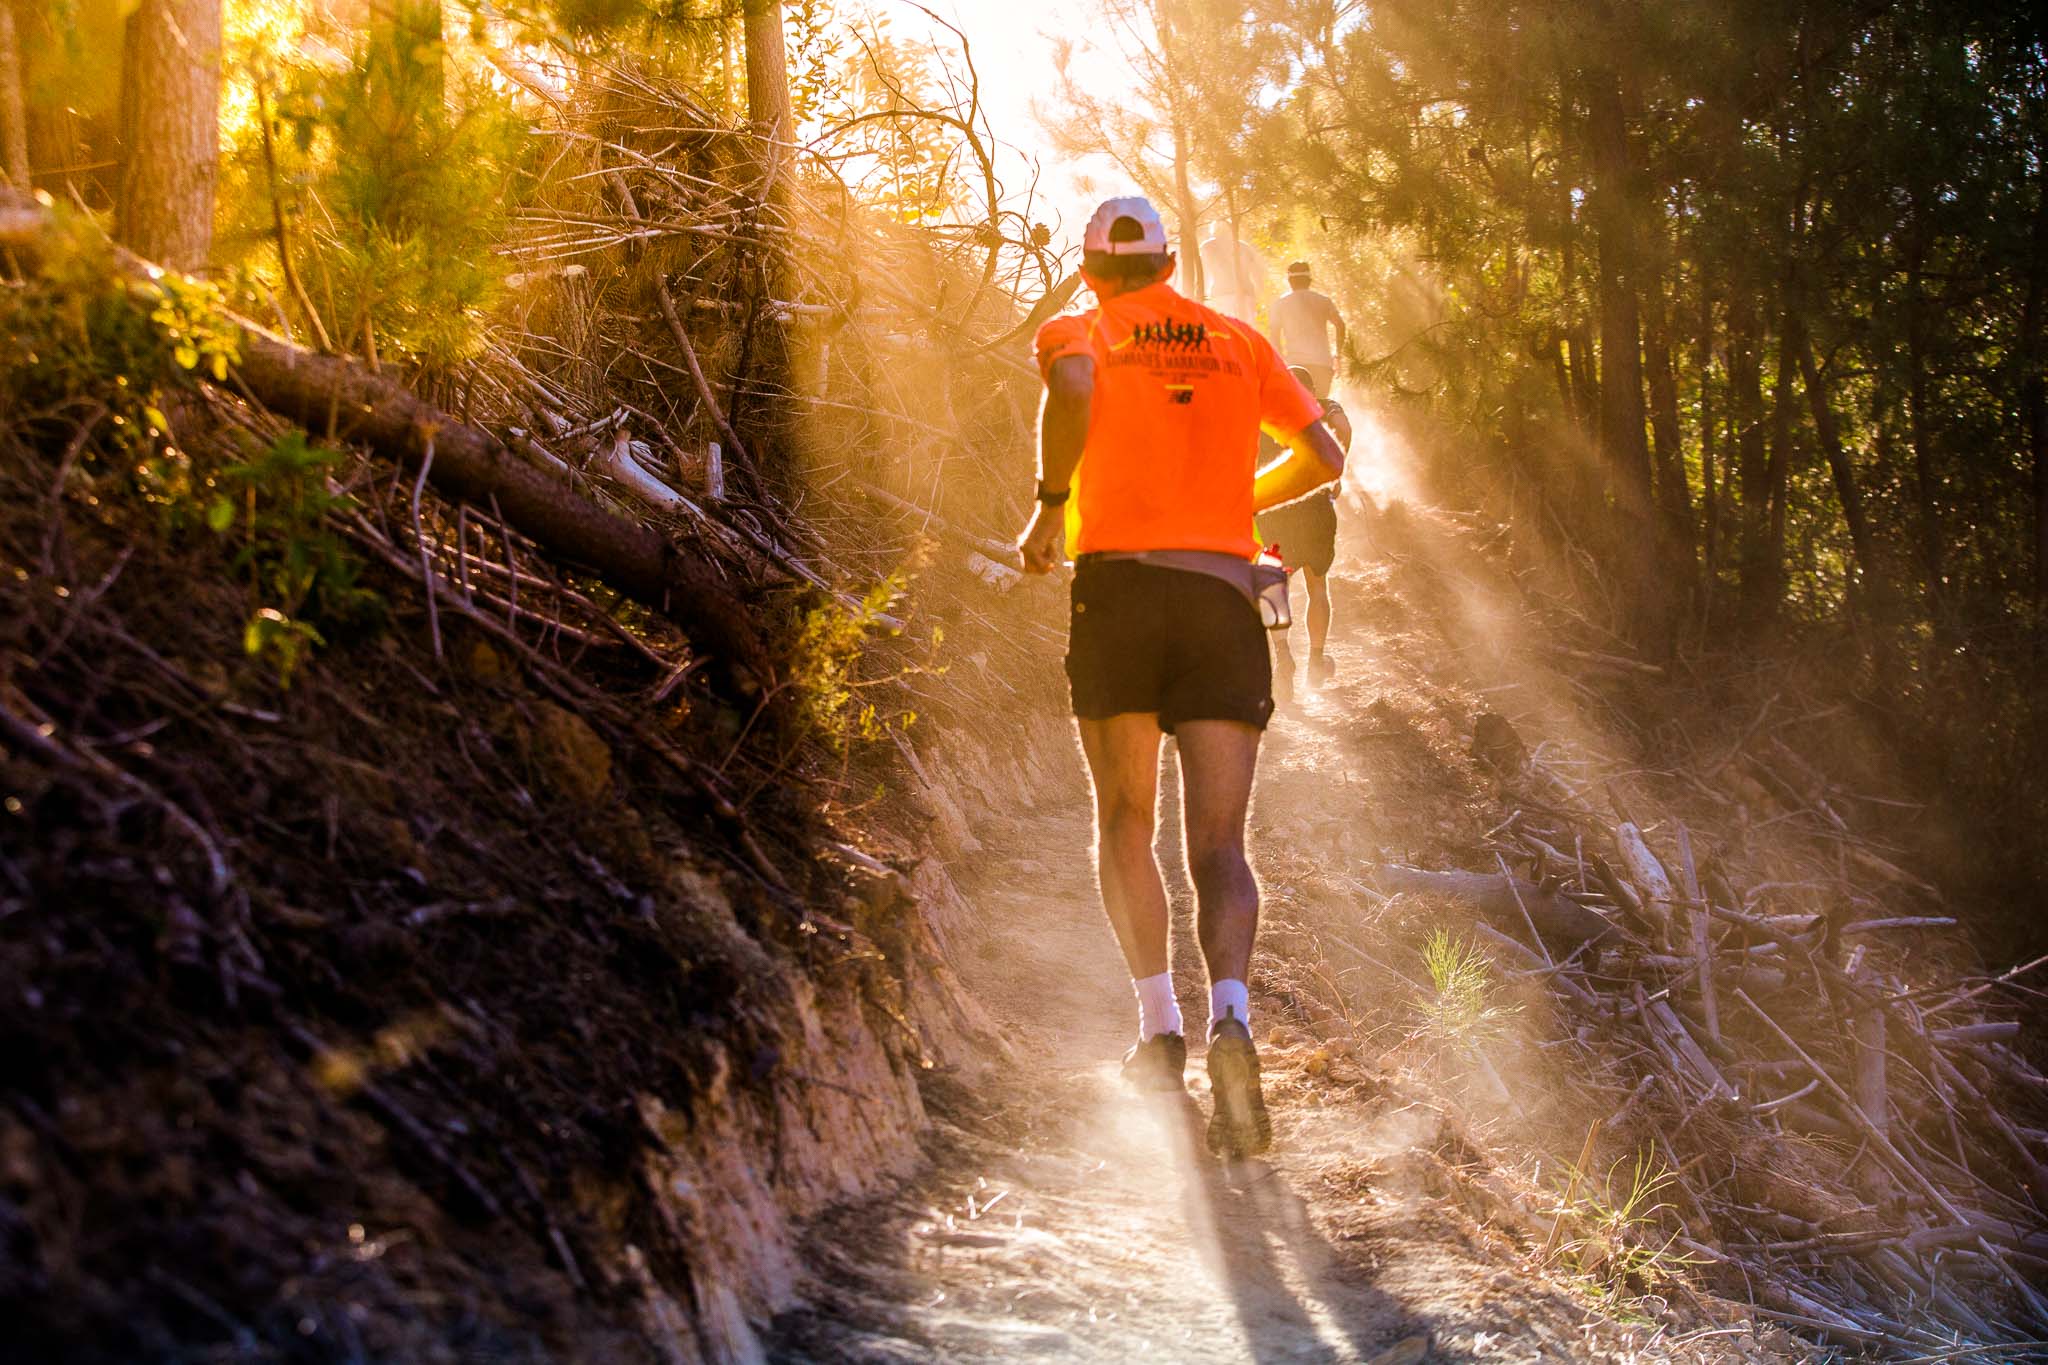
[(120, 353), (1618, 1249), (284, 642), (191, 315), (300, 572), (82, 338), (1462, 1007), (831, 641), (399, 167)]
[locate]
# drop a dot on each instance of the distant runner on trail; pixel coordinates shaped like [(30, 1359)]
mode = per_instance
[(1149, 470), (1234, 274), (1305, 534), (1303, 319)]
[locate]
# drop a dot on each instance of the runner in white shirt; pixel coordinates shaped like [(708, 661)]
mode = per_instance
[(1302, 322), (1233, 275)]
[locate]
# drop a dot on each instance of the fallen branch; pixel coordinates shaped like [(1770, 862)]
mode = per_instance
[(335, 395), (1648, 874)]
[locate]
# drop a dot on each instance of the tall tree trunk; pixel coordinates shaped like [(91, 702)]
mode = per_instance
[(1585, 397), (2033, 357), (1771, 584), (1873, 594), (1561, 374), (56, 149), (1190, 215), (1622, 439), (13, 104), (727, 68), (765, 341), (1674, 498), (767, 74), (1710, 505), (1186, 207), (1926, 496), (1751, 468), (1585, 379), (170, 131)]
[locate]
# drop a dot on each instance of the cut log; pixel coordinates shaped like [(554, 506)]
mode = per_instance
[(1702, 946), (1873, 1095), (1494, 896), (334, 395), (1648, 874), (1778, 926), (1664, 1021), (619, 462), (1993, 1031)]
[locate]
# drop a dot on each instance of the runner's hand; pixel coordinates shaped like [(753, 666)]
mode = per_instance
[(1044, 540)]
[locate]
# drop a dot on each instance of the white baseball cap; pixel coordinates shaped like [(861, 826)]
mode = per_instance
[(1151, 238)]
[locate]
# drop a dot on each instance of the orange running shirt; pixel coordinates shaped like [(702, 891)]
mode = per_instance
[(1181, 392)]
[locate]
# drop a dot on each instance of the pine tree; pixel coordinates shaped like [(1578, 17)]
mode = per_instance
[(14, 167), (170, 117)]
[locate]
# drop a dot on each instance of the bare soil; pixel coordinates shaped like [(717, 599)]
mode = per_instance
[(1062, 1217)]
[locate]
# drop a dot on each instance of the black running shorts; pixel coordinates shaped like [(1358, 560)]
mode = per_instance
[(1305, 531), (1186, 645)]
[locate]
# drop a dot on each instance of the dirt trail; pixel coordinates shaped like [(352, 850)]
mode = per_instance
[(1063, 1218)]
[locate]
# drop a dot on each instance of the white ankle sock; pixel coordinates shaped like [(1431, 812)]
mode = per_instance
[(1158, 1011), (1229, 999)]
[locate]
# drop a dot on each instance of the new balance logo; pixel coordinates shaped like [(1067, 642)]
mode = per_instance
[(1185, 336)]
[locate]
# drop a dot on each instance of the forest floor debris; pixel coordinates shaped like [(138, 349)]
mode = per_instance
[(1520, 1139)]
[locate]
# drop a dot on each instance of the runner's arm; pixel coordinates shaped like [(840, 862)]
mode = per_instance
[(1337, 324), (1313, 459), (1062, 435), (1339, 423)]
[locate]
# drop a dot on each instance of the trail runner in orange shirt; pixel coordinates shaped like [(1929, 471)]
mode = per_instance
[(1149, 473)]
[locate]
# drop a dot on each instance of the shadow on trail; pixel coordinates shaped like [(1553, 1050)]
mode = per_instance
[(1252, 1229)]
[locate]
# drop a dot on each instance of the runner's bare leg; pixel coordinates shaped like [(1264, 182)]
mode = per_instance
[(1123, 760), (1218, 759), (1283, 653), (1318, 611)]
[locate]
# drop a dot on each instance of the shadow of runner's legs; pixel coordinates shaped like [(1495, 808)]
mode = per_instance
[(1256, 1239)]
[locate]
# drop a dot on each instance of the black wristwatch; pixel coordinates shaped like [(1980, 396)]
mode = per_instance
[(1048, 498)]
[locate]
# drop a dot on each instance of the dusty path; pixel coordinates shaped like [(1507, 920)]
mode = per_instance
[(1064, 1219)]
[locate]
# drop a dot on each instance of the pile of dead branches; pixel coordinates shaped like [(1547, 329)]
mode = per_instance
[(718, 340), (1849, 1129)]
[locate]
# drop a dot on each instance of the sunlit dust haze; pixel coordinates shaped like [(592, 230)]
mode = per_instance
[(1013, 51), (1016, 55)]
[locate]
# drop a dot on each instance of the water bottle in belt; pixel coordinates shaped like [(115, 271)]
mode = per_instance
[(1270, 577)]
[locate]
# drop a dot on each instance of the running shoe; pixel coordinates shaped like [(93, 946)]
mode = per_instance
[(1157, 1064), (1322, 671), (1240, 1126)]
